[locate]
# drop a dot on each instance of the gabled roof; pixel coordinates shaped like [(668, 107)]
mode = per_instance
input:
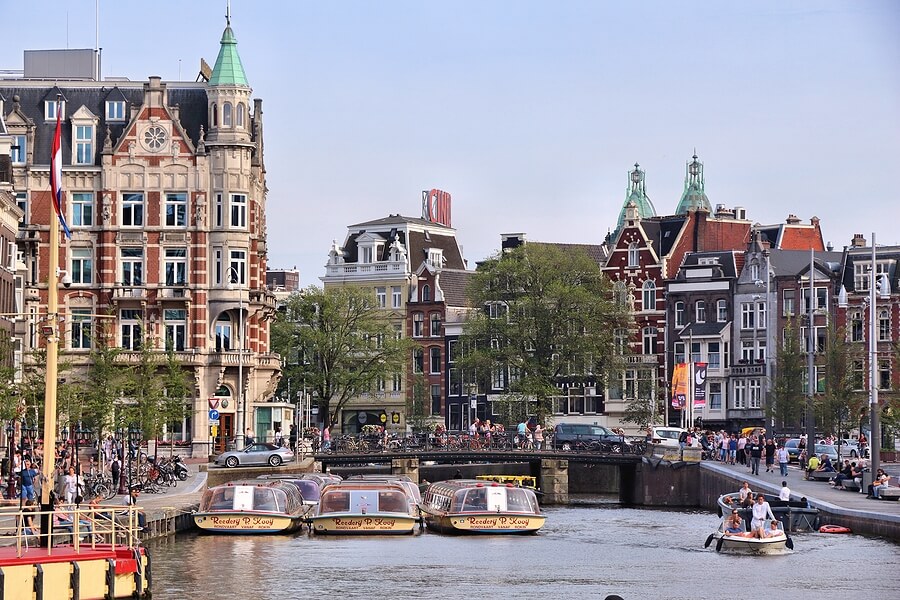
[(596, 252), (417, 235), (398, 219), (455, 284)]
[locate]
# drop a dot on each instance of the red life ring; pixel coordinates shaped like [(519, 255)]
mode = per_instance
[(834, 529)]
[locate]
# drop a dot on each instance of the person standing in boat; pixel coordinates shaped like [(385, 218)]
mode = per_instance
[(762, 513), (745, 491)]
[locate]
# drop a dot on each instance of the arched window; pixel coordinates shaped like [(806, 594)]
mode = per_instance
[(884, 326), (649, 296), (226, 114), (224, 343), (214, 116), (240, 115), (633, 255), (679, 314), (721, 311), (700, 314), (426, 293)]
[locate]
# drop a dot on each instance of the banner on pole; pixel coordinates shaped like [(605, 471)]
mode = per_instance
[(679, 386), (699, 385)]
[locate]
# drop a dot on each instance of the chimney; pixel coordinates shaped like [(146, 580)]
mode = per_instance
[(814, 221), (858, 241), (793, 220)]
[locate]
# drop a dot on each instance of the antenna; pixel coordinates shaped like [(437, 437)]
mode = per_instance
[(228, 13), (97, 35)]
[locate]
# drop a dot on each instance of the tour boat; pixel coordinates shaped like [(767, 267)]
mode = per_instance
[(743, 543), (252, 506), (363, 507), (412, 490), (473, 506), (796, 515)]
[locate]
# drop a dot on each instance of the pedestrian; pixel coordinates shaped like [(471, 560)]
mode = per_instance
[(279, 437), (770, 455), (292, 437), (538, 437), (249, 438), (756, 452), (732, 449), (28, 475), (73, 486), (783, 458), (785, 493), (741, 454)]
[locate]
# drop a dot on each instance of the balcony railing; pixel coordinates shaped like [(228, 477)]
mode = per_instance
[(365, 269), (129, 293)]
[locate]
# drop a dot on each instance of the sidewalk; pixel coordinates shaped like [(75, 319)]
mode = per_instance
[(819, 493)]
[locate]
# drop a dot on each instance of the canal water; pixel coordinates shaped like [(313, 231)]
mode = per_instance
[(582, 552)]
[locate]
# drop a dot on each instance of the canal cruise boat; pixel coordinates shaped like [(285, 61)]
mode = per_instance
[(473, 506), (251, 507), (365, 508)]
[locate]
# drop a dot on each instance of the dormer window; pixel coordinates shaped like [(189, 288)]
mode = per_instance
[(83, 145), (115, 110), (51, 107), (366, 255)]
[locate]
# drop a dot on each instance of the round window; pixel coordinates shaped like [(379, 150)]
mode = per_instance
[(154, 138)]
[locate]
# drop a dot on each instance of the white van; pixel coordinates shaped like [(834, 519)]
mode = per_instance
[(668, 436)]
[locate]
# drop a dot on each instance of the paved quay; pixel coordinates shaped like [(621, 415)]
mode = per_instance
[(838, 507)]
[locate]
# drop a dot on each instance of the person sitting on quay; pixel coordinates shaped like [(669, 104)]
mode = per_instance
[(845, 473), (881, 482), (825, 465), (811, 465)]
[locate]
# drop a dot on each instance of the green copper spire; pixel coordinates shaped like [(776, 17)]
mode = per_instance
[(637, 196), (694, 196), (228, 69)]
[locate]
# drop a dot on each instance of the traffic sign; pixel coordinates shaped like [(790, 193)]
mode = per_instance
[(213, 414)]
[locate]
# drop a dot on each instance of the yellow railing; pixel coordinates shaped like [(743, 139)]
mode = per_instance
[(82, 527)]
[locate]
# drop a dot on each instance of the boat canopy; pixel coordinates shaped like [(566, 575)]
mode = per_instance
[(266, 498)]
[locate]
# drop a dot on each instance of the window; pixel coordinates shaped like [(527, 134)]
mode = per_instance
[(418, 360), (787, 308), (50, 109), (435, 360), (115, 110), (754, 271), (176, 328), (821, 302), (84, 144), (81, 328), (82, 209), (721, 311), (132, 210), (498, 378), (679, 314), (219, 210), (396, 297), (679, 352), (397, 383), (81, 271), (176, 210), (237, 269), (381, 297), (226, 114), (435, 400), (700, 311), (418, 324), (748, 315), (620, 294), (715, 396), (633, 255), (649, 340), (426, 293), (435, 330), (856, 327), (176, 266), (366, 254), (496, 310), (620, 340), (747, 352), (754, 390), (761, 316), (862, 273), (695, 352), (884, 374), (241, 109), (132, 266), (239, 211), (130, 321), (223, 333), (740, 394), (22, 203), (884, 326), (17, 153), (214, 116), (714, 355), (649, 296)]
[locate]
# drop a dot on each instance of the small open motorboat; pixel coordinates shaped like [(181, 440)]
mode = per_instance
[(796, 515), (251, 507), (476, 506), (748, 543)]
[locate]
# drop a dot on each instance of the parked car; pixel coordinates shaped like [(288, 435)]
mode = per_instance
[(256, 454), (568, 436), (793, 448), (830, 451), (850, 449), (669, 436)]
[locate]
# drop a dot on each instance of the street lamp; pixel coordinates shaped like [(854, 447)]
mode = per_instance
[(31, 431), (241, 409), (120, 436), (11, 440), (135, 435), (82, 435)]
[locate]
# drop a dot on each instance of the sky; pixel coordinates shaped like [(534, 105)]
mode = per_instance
[(531, 114)]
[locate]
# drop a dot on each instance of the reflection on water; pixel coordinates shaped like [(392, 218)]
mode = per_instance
[(582, 552)]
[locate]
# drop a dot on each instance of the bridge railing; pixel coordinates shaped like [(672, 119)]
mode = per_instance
[(460, 441)]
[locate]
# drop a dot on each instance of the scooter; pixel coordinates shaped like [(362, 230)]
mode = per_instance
[(181, 470)]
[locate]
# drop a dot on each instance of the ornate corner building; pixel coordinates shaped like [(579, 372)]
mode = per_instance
[(165, 196)]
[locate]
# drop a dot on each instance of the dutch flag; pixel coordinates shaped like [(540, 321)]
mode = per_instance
[(56, 174)]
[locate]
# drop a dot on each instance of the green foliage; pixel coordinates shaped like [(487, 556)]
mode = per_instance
[(547, 315), (342, 343), (418, 404), (788, 399), (104, 385), (841, 405), (9, 392), (644, 410)]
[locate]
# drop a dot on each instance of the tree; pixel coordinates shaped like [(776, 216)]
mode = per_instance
[(418, 404), (343, 341), (9, 394), (178, 390), (643, 410), (788, 402), (841, 403), (548, 317), (104, 385), (144, 391)]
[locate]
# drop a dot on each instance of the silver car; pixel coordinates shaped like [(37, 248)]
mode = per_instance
[(256, 454)]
